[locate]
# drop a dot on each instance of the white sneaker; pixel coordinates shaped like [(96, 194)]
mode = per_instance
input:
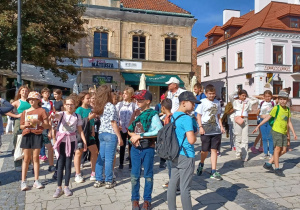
[(79, 179), (24, 186), (93, 178), (38, 185)]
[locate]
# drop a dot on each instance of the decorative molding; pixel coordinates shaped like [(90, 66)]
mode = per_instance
[(280, 35), (101, 29), (171, 35), (139, 32), (279, 40)]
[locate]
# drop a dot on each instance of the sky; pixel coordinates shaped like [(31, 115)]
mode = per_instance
[(210, 13)]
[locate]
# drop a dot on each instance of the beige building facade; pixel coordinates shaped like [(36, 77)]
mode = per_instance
[(123, 43)]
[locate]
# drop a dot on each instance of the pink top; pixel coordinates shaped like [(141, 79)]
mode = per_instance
[(67, 131), (69, 124)]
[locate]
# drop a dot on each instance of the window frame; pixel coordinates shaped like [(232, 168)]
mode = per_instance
[(139, 47), (277, 53), (296, 68), (227, 33), (210, 41), (238, 64), (277, 85), (101, 45), (294, 20), (207, 69), (223, 65), (170, 55), (294, 89)]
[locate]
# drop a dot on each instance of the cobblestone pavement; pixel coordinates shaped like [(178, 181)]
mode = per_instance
[(245, 185)]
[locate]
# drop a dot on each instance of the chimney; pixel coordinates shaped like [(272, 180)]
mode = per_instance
[(260, 4), (228, 13)]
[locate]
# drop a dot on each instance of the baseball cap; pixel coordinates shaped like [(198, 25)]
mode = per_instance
[(188, 96), (283, 94), (173, 80), (143, 95), (34, 95)]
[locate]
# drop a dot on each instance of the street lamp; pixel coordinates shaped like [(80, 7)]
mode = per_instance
[(19, 45)]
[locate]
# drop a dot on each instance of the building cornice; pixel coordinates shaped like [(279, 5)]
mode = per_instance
[(271, 34), (113, 14)]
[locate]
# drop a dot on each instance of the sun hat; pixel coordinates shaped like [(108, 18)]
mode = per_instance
[(34, 95)]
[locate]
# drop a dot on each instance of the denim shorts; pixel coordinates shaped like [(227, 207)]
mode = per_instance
[(279, 139)]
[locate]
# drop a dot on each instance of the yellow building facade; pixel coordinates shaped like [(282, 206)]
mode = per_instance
[(124, 40)]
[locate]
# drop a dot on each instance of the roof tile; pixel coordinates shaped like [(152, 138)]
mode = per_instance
[(157, 5), (267, 19)]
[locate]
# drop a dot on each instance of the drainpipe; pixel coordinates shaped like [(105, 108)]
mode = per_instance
[(227, 93), (120, 49)]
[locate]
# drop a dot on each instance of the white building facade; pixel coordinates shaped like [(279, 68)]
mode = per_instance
[(256, 52)]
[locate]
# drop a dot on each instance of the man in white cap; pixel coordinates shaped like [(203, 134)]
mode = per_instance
[(174, 92)]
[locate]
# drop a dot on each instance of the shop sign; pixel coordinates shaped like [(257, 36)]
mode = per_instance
[(68, 62), (131, 65), (100, 79), (277, 68), (100, 63)]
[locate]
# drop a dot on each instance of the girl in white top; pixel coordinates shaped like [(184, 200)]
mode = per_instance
[(241, 107), (125, 109)]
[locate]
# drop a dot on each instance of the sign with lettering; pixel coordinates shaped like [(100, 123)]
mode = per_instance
[(100, 63), (100, 79), (131, 65), (277, 68)]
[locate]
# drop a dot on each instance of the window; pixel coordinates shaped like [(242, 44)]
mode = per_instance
[(138, 47), (171, 49), (223, 64), (294, 23), (223, 94), (296, 59), (240, 60), (207, 69), (277, 54), (100, 44), (210, 41), (277, 86), (227, 33), (296, 89), (239, 87)]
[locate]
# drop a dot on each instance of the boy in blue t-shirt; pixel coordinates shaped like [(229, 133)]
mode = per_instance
[(183, 166)]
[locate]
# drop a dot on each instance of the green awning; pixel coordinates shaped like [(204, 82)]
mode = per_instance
[(151, 79)]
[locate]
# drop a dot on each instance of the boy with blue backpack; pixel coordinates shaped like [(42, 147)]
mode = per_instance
[(184, 164), (280, 120)]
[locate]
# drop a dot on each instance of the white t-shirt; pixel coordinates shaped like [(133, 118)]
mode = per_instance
[(174, 98), (209, 111), (266, 107)]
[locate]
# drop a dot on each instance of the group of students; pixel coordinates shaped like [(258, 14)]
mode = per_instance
[(96, 122)]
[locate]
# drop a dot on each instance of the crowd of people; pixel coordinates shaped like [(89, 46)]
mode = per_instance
[(91, 126)]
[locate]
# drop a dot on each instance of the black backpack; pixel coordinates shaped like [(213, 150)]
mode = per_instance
[(167, 146)]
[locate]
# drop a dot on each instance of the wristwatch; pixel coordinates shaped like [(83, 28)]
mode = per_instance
[(142, 135), (41, 123)]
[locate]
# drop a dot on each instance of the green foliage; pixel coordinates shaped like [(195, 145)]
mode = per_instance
[(46, 26)]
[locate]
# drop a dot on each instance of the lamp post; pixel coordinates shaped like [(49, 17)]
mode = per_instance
[(19, 45)]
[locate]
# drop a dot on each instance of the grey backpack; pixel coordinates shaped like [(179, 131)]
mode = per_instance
[(167, 146)]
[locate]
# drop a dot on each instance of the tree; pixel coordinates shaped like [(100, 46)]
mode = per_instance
[(47, 28)]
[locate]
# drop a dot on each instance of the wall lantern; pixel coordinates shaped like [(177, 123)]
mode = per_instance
[(248, 76), (269, 75)]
